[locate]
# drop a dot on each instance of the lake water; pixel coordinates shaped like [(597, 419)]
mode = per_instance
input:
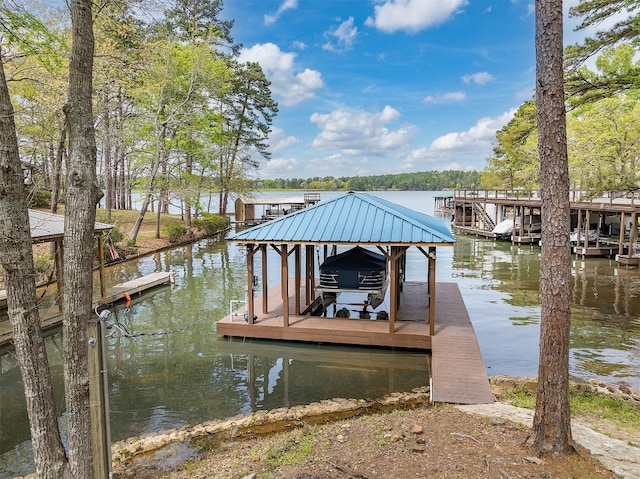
[(173, 370)]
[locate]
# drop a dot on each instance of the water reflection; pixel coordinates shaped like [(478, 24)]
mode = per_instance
[(500, 285)]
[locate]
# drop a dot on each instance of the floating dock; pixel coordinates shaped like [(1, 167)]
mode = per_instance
[(51, 318), (458, 374)]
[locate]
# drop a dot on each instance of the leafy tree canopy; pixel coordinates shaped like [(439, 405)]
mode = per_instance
[(580, 85)]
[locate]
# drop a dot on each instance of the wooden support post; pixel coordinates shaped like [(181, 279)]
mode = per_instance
[(309, 275), (432, 289), (633, 233), (621, 236), (297, 272), (98, 401), (393, 294), (250, 299), (579, 230), (58, 258), (599, 230), (284, 277), (101, 269), (586, 231), (265, 283), (521, 230)]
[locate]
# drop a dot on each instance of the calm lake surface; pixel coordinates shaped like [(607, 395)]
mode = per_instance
[(174, 370)]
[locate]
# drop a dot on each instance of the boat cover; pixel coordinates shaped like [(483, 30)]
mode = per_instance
[(357, 268)]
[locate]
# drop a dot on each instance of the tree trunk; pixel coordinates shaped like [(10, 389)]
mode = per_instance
[(82, 195), (552, 421), (123, 204), (187, 202), (108, 161), (57, 167), (151, 184), (16, 258)]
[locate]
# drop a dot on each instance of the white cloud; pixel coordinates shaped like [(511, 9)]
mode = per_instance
[(298, 45), (278, 167), (342, 37), (290, 86), (361, 132), (451, 96), (483, 132), (338, 165), (278, 140), (459, 145), (479, 78), (286, 5), (413, 15)]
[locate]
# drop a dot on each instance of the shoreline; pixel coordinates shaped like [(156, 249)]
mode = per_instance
[(138, 452)]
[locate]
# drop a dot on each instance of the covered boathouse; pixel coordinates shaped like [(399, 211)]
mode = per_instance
[(333, 301)]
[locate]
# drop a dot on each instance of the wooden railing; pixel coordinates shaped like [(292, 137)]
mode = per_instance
[(575, 196)]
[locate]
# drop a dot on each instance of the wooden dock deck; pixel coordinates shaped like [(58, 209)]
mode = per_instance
[(462, 381), (51, 318), (457, 369)]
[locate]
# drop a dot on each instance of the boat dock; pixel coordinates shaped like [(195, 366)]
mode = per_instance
[(51, 318), (600, 226), (458, 373), (252, 211), (443, 202)]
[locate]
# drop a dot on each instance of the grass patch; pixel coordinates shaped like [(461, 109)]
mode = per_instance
[(584, 402), (624, 414), (293, 450)]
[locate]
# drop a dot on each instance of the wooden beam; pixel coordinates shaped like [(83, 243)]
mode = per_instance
[(284, 279), (633, 233), (297, 272), (586, 231), (309, 275), (621, 236), (393, 294), (101, 268), (265, 285), (98, 403), (578, 229), (432, 290), (58, 260), (250, 299)]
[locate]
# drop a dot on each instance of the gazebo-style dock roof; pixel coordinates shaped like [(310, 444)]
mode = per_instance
[(417, 314), (352, 219)]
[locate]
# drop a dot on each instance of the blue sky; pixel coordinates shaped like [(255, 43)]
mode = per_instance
[(388, 86)]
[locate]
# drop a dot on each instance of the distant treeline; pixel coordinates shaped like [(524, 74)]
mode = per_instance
[(420, 181)]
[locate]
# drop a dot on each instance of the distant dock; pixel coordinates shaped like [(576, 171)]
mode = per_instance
[(600, 226), (252, 211)]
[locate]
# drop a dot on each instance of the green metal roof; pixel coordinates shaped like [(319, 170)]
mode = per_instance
[(352, 218)]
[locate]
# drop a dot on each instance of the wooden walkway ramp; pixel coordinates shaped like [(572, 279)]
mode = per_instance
[(457, 369), (51, 318)]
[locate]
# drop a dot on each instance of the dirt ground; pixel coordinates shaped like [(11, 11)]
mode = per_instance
[(430, 442), (426, 442)]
